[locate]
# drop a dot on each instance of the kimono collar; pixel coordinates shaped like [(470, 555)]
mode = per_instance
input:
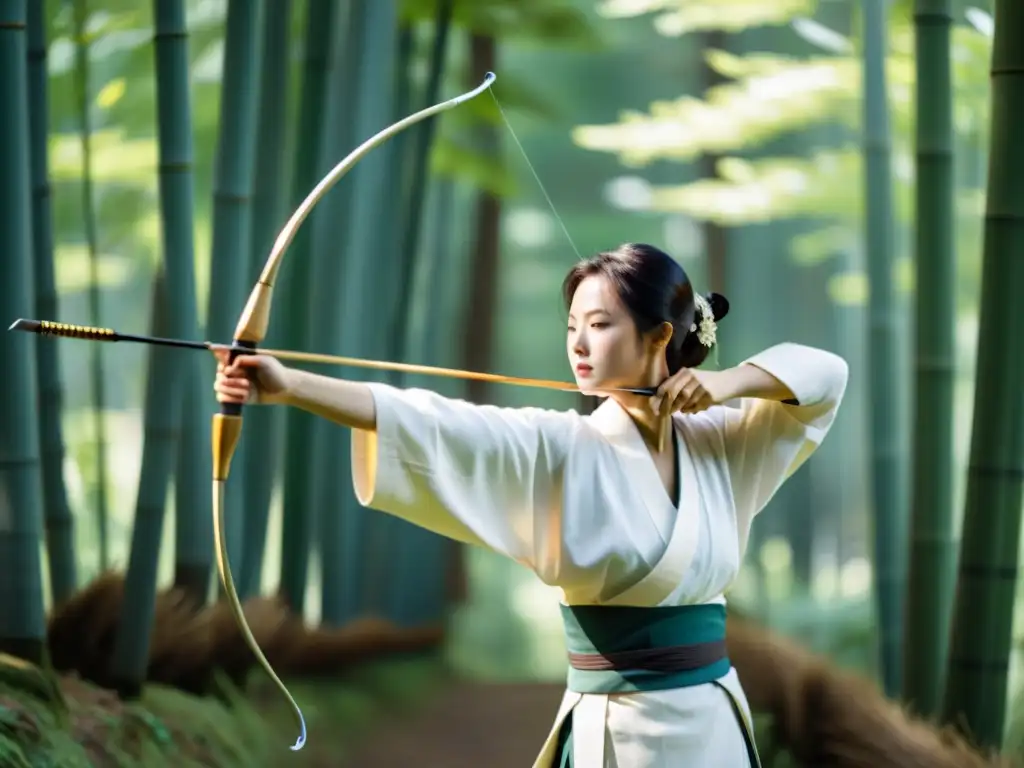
[(614, 422)]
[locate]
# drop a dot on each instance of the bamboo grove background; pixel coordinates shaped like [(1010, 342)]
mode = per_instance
[(844, 171)]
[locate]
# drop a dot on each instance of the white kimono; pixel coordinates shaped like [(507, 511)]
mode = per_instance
[(579, 501)]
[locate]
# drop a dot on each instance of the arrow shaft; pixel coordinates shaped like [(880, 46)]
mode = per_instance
[(89, 333), (432, 370)]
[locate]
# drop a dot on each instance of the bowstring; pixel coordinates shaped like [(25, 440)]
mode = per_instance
[(536, 176), (714, 355)]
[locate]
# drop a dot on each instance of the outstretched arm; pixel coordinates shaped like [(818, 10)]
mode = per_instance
[(261, 379), (349, 403), (475, 473)]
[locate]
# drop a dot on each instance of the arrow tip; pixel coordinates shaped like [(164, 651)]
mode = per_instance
[(21, 324)]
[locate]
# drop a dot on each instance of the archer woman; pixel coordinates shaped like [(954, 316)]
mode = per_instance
[(643, 534)]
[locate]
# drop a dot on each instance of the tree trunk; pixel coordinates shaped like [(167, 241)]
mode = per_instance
[(295, 286), (369, 290), (478, 328), (60, 525), (259, 456), (932, 566), (887, 443), (338, 528), (975, 696), (168, 366), (478, 339), (232, 218), (22, 628), (80, 12)]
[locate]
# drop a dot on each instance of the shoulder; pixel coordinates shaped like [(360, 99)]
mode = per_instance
[(703, 433), (813, 375), (453, 415)]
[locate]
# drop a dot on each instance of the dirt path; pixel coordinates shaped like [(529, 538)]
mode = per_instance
[(468, 725)]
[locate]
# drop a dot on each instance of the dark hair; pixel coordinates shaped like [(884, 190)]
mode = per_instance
[(655, 290)]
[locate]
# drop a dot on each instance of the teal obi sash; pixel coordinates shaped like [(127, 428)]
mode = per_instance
[(625, 649)]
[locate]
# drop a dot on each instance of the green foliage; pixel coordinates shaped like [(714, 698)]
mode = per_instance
[(678, 17), (530, 22), (768, 97), (482, 170), (771, 94), (766, 737), (235, 728), (162, 730)]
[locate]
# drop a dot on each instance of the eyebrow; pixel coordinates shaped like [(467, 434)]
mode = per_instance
[(591, 312)]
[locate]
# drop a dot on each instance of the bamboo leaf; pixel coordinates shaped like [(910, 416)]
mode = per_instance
[(111, 93), (771, 95), (982, 21), (823, 37), (825, 184), (782, 96)]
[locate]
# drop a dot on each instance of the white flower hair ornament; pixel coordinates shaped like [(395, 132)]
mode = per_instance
[(706, 329)]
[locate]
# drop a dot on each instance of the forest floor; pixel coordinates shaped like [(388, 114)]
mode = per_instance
[(392, 714), (64, 722), (467, 725), (409, 710)]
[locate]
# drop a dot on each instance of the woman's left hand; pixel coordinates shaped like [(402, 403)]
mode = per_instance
[(689, 391)]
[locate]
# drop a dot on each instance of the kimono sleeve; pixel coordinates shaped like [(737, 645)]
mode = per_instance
[(474, 473), (766, 441)]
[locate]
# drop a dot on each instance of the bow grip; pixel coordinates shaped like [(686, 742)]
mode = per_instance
[(227, 424)]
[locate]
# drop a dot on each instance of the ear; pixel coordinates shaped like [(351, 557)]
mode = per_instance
[(662, 335)]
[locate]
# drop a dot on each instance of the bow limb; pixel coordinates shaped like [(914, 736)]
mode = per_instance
[(249, 334)]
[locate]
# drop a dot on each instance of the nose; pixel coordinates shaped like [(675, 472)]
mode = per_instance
[(579, 344)]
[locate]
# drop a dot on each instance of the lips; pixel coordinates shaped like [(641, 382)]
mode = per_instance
[(583, 369)]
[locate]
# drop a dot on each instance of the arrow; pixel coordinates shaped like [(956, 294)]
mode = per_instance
[(89, 333)]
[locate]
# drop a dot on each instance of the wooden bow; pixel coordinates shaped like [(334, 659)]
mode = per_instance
[(249, 333)]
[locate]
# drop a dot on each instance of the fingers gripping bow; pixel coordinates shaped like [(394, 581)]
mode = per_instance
[(249, 334)]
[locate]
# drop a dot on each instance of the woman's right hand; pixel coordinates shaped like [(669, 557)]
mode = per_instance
[(250, 379)]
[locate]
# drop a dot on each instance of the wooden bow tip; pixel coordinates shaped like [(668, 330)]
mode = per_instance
[(255, 318)]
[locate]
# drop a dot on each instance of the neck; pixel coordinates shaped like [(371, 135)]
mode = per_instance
[(653, 427)]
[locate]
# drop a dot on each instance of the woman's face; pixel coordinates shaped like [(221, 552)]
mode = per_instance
[(604, 348)]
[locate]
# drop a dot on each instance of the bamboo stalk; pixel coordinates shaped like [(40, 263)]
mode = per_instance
[(886, 428), (60, 523), (932, 568), (80, 12), (982, 626)]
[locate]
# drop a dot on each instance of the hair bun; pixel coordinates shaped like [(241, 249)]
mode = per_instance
[(719, 305)]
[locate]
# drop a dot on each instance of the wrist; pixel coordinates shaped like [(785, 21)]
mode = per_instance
[(291, 391), (729, 385), (750, 380)]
